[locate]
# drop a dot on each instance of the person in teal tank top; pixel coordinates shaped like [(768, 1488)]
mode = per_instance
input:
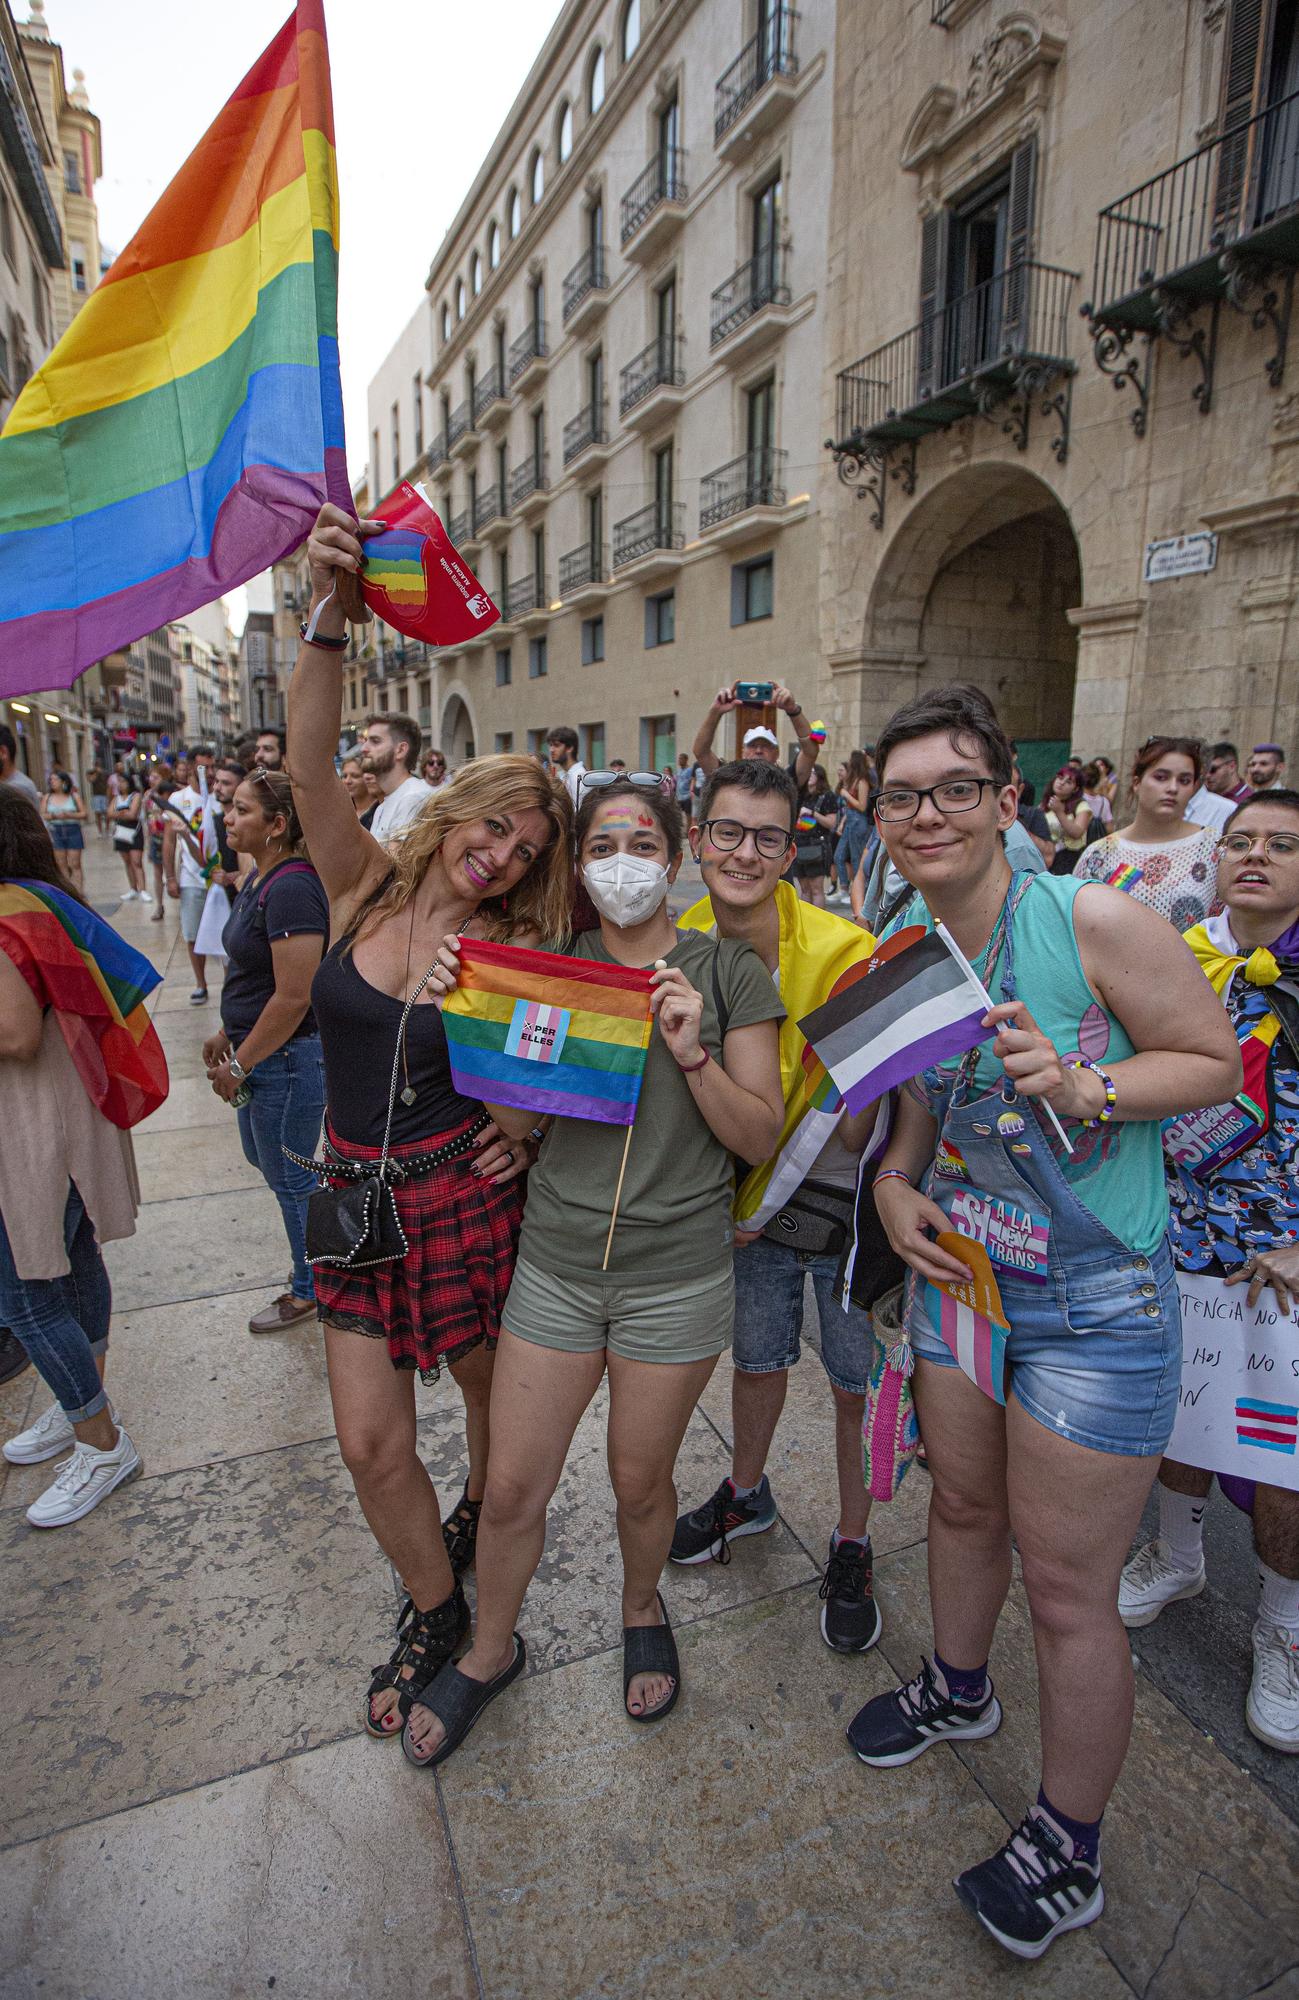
[(1046, 1389)]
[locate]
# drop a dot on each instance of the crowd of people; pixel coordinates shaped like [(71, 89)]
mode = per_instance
[(1134, 930)]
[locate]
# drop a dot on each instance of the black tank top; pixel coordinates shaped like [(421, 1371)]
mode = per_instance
[(358, 1037)]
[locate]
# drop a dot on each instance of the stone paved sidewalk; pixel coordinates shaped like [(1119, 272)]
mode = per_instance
[(189, 1807)]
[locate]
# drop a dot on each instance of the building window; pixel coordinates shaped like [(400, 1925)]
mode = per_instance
[(504, 669), (77, 251), (396, 443), (38, 305), (376, 475), (537, 744), (658, 741), (664, 479), (72, 173), (760, 421), (417, 407), (7, 228), (592, 641), (565, 133), (765, 244), (504, 742), (595, 82), (752, 590), (661, 618), (476, 274), (537, 176), (537, 668), (494, 245), (515, 212), (591, 737), (460, 298), (446, 321), (630, 29)]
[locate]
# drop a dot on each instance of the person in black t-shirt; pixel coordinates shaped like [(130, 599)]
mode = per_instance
[(268, 1044)]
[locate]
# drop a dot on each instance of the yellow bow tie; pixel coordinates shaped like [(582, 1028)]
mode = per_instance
[(1260, 968)]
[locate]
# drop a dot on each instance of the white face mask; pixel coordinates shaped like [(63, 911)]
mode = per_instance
[(626, 888)]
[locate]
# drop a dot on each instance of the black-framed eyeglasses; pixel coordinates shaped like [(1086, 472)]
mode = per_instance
[(1275, 846), (599, 781), (728, 834), (957, 795)]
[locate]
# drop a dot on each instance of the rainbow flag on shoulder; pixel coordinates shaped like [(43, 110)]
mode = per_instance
[(184, 432), (547, 1033), (97, 985)]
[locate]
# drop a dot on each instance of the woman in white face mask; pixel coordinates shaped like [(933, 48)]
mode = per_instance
[(658, 1317)]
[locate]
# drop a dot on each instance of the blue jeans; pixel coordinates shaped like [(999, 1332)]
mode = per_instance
[(287, 1105), (769, 1287), (858, 829), (63, 1322)]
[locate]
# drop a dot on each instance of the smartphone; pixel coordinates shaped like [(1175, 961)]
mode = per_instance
[(754, 694)]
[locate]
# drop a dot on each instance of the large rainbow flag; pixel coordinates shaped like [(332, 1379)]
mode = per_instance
[(548, 1033), (184, 432), (97, 985)]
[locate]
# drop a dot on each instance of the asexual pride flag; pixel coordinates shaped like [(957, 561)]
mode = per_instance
[(915, 1004), (547, 1033)]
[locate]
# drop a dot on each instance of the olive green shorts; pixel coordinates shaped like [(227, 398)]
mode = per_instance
[(649, 1319)]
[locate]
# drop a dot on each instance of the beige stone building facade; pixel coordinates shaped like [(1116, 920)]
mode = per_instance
[(613, 390), (1059, 338)]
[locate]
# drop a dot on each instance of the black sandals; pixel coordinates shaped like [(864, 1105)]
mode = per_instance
[(460, 1533), (650, 1649), (426, 1640), (457, 1702)]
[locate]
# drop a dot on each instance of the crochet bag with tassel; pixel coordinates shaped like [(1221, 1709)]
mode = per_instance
[(890, 1435)]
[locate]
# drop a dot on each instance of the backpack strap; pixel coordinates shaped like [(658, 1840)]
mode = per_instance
[(282, 868)]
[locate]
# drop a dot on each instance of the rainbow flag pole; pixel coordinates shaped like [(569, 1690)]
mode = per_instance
[(183, 434)]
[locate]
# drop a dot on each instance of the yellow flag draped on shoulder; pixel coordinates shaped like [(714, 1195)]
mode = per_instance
[(817, 949)]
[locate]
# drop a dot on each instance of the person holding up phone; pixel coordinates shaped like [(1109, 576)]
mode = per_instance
[(760, 741)]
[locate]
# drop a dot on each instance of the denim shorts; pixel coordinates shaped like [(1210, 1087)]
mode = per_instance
[(646, 1319), (1094, 1354), (66, 839), (769, 1284)]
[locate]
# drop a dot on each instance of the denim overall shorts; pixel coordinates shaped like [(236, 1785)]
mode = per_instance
[(1095, 1345)]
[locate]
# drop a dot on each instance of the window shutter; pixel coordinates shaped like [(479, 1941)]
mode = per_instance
[(933, 258), (1017, 304), (1240, 89)]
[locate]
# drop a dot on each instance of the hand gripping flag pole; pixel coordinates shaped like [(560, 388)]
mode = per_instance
[(971, 974)]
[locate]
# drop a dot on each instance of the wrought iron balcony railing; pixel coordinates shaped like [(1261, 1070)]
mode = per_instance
[(939, 12), (1220, 224), (460, 420), (586, 428), (530, 477), (656, 365), (587, 275), (759, 282), (770, 53), (664, 179), (755, 479), (526, 593), (661, 525), (994, 351), (437, 451), (461, 526), (579, 568), (530, 346), (491, 389), (490, 507)]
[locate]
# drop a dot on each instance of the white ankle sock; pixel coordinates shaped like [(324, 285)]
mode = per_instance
[(1278, 1602), (1181, 1527)]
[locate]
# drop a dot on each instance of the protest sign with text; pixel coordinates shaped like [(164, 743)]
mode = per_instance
[(1238, 1405)]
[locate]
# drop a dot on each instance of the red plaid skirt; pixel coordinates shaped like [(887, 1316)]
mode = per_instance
[(445, 1295)]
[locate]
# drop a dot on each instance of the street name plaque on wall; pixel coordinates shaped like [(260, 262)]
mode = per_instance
[(1180, 555)]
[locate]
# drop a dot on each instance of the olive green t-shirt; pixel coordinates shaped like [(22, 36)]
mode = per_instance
[(674, 1219)]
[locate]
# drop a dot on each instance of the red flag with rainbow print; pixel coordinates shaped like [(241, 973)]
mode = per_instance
[(415, 580)]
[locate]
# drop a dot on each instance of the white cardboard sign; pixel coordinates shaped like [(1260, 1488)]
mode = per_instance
[(1238, 1405)]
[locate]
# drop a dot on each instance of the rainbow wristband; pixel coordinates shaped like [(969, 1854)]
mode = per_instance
[(1106, 1112)]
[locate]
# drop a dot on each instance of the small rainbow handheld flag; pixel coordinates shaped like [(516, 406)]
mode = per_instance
[(186, 428), (548, 1033), (1124, 877), (97, 985)]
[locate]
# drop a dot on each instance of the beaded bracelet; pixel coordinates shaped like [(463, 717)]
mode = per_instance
[(892, 1174), (1106, 1111)]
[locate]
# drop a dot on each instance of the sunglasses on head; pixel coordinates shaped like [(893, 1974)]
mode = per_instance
[(599, 781)]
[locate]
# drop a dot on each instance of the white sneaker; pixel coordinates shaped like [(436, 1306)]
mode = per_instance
[(1272, 1704), (1153, 1580), (47, 1437), (128, 897), (88, 1477)]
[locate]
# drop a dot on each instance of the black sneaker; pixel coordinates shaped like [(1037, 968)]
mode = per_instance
[(705, 1534), (896, 1727), (1032, 1888), (850, 1617)]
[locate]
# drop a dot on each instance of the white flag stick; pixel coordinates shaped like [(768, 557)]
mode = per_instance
[(984, 994)]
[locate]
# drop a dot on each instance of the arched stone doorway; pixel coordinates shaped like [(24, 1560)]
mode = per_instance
[(456, 734), (975, 586)]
